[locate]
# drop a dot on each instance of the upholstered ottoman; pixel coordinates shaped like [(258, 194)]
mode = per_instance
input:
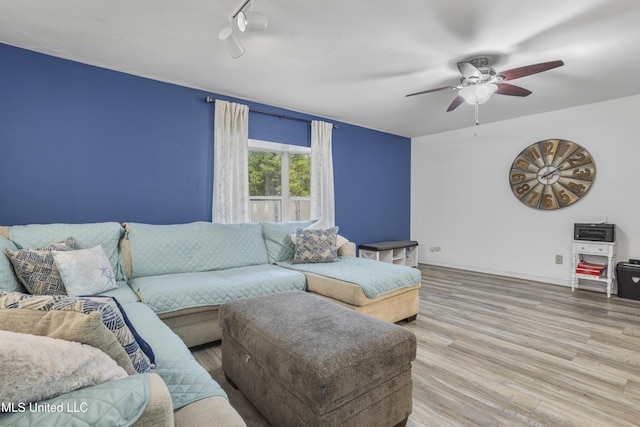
[(305, 361)]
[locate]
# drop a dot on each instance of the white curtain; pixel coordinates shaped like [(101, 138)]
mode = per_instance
[(322, 204), (230, 163)]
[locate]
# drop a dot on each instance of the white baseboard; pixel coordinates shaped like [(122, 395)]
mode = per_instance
[(544, 279)]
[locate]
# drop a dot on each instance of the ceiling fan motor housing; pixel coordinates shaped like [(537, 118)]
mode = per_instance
[(486, 73)]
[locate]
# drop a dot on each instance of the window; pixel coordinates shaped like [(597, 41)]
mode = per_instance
[(272, 168)]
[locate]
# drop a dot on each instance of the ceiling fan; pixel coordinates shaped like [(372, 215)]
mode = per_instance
[(479, 81)]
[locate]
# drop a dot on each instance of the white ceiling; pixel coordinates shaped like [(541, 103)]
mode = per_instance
[(351, 61)]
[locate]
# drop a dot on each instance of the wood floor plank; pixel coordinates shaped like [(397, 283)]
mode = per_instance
[(500, 351)]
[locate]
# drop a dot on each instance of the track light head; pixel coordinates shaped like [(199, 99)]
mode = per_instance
[(252, 21), (231, 43)]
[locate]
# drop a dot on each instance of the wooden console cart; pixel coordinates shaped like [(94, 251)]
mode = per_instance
[(605, 250), (403, 252)]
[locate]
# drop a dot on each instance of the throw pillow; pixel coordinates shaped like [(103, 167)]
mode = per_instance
[(85, 271), (112, 318), (340, 240), (34, 367), (70, 326), (36, 268), (144, 345), (8, 280), (316, 246), (276, 238)]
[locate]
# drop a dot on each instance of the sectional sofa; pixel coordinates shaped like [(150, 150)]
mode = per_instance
[(170, 282)]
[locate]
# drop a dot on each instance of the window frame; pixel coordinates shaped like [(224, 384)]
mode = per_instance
[(284, 150)]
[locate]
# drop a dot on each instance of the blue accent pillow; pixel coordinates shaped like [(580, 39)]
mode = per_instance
[(144, 346), (36, 268), (316, 245)]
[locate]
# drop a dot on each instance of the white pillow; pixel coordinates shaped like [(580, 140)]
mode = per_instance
[(35, 368), (85, 271)]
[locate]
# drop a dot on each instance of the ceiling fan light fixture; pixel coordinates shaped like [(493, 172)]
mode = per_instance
[(478, 94), (252, 21), (231, 43)]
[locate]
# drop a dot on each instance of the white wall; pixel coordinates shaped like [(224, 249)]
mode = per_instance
[(461, 200)]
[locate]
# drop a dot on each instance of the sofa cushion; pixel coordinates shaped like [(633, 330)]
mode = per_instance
[(123, 293), (112, 317), (186, 379), (34, 367), (173, 292), (85, 271), (193, 247), (277, 238), (37, 270), (376, 278), (106, 234), (8, 280), (70, 326)]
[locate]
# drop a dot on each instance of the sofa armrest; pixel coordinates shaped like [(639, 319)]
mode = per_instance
[(159, 410), (211, 411), (348, 249)]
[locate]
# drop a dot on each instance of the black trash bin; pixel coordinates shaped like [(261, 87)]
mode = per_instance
[(628, 277)]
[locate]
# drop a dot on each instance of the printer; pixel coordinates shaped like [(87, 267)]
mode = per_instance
[(594, 232)]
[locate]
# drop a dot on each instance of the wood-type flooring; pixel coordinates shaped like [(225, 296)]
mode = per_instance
[(499, 351)]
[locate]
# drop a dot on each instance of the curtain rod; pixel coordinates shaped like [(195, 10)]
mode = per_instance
[(210, 100)]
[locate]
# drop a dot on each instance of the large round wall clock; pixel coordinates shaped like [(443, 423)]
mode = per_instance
[(552, 174)]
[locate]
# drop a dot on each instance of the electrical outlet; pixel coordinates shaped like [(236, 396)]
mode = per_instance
[(558, 259)]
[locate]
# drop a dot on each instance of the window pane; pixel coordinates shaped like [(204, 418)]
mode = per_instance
[(299, 175), (300, 209), (264, 174), (265, 210), (279, 184)]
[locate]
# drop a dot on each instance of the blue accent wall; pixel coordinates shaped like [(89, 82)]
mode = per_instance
[(80, 143)]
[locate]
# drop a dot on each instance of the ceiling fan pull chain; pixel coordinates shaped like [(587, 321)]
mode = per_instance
[(475, 129)]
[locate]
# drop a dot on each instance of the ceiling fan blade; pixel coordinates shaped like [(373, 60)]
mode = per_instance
[(509, 89), (469, 70), (456, 102), (516, 73), (432, 90)]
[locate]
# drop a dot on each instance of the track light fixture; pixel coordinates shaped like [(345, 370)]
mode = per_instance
[(231, 43), (252, 21), (243, 21)]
